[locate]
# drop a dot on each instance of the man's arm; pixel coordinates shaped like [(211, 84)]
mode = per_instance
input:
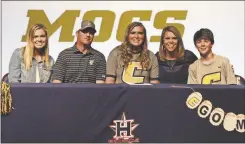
[(100, 82), (101, 70)]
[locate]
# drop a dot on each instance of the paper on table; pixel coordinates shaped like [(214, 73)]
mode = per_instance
[(138, 84)]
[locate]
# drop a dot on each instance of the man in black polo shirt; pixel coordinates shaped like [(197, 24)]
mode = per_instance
[(80, 63)]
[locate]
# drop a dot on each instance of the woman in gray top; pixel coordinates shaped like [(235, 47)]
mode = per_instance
[(32, 63)]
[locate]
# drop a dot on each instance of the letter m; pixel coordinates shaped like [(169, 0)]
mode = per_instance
[(240, 124), (66, 21)]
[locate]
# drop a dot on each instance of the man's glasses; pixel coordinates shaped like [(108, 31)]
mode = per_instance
[(90, 31)]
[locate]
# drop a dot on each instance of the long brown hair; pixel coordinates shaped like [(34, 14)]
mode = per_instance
[(127, 53), (29, 49), (180, 47)]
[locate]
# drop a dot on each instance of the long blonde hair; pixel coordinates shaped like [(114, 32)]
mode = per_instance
[(180, 48), (29, 49), (127, 53)]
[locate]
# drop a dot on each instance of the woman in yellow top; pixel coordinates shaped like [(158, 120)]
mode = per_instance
[(132, 62)]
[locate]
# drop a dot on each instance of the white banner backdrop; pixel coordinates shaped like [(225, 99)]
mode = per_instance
[(224, 18)]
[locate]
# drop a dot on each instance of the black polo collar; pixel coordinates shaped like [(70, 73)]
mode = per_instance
[(75, 49)]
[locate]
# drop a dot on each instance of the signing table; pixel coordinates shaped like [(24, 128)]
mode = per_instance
[(77, 113)]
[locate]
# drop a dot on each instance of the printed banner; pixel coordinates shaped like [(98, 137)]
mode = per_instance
[(63, 18)]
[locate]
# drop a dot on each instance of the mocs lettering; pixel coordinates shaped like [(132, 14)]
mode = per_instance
[(67, 20)]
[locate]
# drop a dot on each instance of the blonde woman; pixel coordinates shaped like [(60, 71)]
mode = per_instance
[(32, 63)]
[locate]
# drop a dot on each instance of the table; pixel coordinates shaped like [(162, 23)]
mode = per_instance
[(77, 113)]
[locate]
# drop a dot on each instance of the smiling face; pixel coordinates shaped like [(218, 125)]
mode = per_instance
[(136, 36), (85, 36), (39, 39), (170, 41), (204, 40), (204, 46)]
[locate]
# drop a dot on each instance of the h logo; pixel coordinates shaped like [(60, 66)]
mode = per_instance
[(123, 128)]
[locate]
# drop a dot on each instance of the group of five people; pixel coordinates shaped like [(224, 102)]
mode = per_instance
[(131, 62)]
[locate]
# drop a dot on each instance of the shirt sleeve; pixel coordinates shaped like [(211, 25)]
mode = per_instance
[(192, 76), (15, 67), (111, 66), (59, 68), (230, 76), (154, 74), (101, 69)]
